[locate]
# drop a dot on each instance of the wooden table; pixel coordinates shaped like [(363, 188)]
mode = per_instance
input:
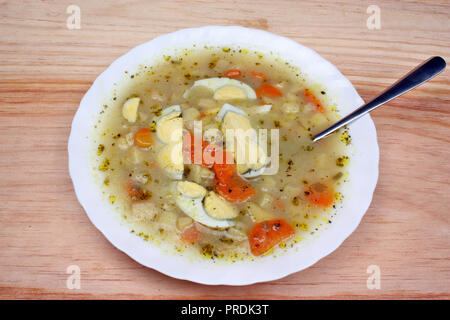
[(46, 68)]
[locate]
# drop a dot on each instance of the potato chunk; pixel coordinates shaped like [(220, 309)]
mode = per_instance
[(184, 222), (257, 213), (144, 210), (126, 142), (290, 107), (190, 114)]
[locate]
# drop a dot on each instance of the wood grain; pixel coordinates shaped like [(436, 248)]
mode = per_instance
[(46, 68)]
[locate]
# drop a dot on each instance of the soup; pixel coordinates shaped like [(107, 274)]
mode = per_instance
[(209, 152)]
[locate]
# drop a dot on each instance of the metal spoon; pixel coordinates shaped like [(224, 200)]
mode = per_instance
[(422, 73)]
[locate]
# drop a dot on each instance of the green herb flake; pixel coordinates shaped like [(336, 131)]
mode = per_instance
[(345, 138), (100, 149), (104, 165), (342, 161), (208, 251)]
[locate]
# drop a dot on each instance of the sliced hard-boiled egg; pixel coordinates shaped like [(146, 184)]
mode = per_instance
[(265, 108), (191, 189), (226, 108), (252, 173), (169, 110), (230, 93), (130, 109), (170, 159), (190, 201), (255, 168), (237, 121), (225, 89), (250, 157), (219, 208), (169, 127)]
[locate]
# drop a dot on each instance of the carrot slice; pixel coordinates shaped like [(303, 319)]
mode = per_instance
[(209, 151), (234, 189), (224, 171), (233, 73), (268, 90), (226, 181), (319, 194), (258, 75), (267, 234), (190, 234), (310, 97), (143, 138)]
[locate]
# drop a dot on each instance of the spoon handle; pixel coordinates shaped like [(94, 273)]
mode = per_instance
[(422, 73)]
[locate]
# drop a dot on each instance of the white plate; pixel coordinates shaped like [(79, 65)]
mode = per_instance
[(363, 167)]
